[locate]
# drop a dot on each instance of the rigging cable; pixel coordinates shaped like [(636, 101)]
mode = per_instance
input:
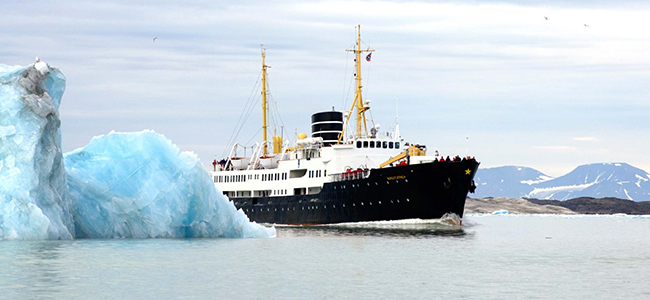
[(240, 122)]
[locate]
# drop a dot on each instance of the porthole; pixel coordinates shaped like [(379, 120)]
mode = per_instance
[(406, 180), (362, 203), (387, 182), (343, 204), (354, 204), (391, 201), (370, 203), (407, 200), (379, 202), (397, 200), (376, 183), (368, 183)]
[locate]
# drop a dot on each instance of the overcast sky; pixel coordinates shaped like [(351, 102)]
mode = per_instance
[(548, 94)]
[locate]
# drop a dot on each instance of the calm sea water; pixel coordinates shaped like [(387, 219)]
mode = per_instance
[(490, 257)]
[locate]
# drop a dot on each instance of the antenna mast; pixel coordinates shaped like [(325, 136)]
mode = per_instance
[(361, 108)]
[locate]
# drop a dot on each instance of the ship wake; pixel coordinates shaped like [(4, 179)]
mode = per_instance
[(448, 225)]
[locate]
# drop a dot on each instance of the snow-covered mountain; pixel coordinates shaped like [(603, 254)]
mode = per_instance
[(597, 180)]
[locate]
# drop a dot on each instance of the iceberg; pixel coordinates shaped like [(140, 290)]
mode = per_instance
[(121, 185), (139, 185), (34, 198)]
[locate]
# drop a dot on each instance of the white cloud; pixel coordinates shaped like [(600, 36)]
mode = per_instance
[(585, 139)]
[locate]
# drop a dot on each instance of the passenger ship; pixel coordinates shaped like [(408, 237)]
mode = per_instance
[(334, 176)]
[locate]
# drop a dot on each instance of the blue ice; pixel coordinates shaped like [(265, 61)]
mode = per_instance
[(139, 185), (34, 199), (121, 185)]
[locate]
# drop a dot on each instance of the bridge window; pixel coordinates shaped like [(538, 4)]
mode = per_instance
[(358, 144), (372, 144), (365, 144), (385, 144), (396, 145), (390, 145)]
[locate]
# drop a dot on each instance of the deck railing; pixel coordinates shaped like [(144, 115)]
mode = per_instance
[(350, 175)]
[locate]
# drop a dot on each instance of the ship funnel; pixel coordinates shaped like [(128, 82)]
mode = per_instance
[(327, 125)]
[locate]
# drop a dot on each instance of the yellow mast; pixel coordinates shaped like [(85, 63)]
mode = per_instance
[(264, 102), (361, 109)]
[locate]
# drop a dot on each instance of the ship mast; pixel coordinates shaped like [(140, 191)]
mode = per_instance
[(358, 102), (264, 101)]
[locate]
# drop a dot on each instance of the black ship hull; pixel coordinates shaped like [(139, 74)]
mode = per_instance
[(423, 191)]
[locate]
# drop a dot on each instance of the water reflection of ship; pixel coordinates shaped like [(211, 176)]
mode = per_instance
[(338, 175)]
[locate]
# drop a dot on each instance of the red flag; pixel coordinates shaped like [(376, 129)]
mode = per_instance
[(368, 56)]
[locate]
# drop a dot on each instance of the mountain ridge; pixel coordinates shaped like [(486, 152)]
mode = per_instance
[(597, 180)]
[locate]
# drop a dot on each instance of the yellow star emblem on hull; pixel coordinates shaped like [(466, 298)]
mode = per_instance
[(468, 171)]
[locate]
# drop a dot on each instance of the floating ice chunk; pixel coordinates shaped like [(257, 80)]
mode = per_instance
[(501, 212), (121, 185), (138, 185), (34, 200)]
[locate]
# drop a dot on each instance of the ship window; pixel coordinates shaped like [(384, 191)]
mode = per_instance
[(390, 145), (372, 144), (396, 145), (277, 176), (365, 144), (385, 145), (358, 144)]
